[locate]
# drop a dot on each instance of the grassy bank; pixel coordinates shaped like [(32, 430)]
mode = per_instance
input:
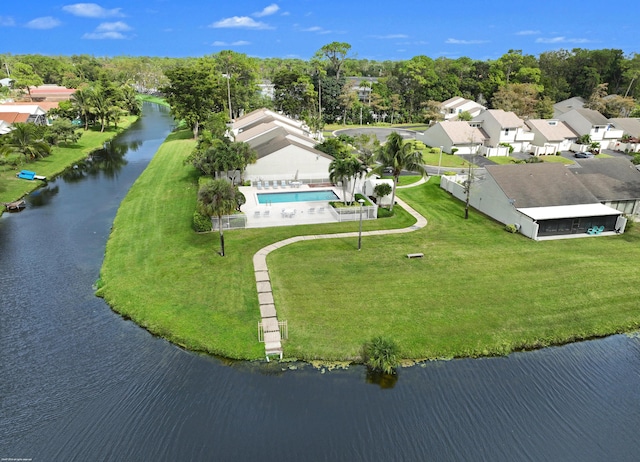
[(153, 99), (172, 281), (13, 188), (477, 291)]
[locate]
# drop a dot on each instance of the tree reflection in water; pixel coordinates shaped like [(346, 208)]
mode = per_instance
[(42, 196), (109, 161), (380, 378)]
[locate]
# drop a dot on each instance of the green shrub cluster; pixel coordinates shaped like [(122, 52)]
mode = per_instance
[(384, 212), (382, 355), (511, 228), (201, 223)]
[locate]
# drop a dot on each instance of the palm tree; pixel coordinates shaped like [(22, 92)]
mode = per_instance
[(81, 101), (398, 156), (25, 138), (217, 198), (341, 169)]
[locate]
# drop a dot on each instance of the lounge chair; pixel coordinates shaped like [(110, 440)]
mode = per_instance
[(259, 184), (312, 210), (256, 214), (275, 184), (321, 210), (266, 185), (283, 184), (266, 213)]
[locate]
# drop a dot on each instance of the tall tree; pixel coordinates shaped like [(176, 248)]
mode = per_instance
[(24, 77), (398, 156), (335, 53), (194, 93), (217, 198)]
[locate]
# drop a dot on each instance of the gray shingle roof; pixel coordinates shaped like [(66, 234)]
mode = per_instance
[(540, 185), (594, 117), (630, 125), (609, 179), (558, 132)]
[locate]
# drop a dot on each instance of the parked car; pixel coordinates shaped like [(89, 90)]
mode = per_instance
[(583, 155)]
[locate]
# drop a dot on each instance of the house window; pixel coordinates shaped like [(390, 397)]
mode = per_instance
[(595, 130), (506, 131)]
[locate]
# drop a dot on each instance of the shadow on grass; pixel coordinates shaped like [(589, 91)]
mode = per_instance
[(180, 135)]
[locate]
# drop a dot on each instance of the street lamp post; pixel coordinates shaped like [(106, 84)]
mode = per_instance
[(440, 159), (361, 201)]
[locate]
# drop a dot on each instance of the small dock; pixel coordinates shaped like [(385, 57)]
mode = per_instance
[(270, 330), (15, 206)]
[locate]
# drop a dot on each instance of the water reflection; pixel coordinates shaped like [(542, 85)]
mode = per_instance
[(384, 381), (43, 196)]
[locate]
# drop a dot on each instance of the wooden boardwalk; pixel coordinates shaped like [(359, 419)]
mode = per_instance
[(269, 318)]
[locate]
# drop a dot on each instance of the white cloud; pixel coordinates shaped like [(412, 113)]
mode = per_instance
[(104, 36), (91, 10), (390, 36), (46, 22), (7, 21), (562, 40), (464, 42), (109, 31), (237, 43), (269, 10), (528, 32), (239, 22), (118, 26)]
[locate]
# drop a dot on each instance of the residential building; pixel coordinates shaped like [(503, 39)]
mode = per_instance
[(550, 136), (455, 106), (543, 201), (503, 127), (451, 135), (590, 122), (567, 105)]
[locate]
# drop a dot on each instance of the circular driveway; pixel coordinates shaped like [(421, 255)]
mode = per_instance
[(380, 133)]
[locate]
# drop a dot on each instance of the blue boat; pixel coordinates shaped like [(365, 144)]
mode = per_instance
[(29, 175)]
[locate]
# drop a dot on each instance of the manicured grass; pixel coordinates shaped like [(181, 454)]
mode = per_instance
[(404, 180), (172, 281), (13, 188), (432, 157), (477, 291)]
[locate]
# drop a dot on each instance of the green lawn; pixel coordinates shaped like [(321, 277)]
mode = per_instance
[(13, 188), (477, 291)]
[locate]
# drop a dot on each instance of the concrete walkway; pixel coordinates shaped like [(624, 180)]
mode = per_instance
[(272, 338)]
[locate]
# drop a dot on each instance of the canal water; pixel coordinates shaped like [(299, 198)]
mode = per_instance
[(79, 383)]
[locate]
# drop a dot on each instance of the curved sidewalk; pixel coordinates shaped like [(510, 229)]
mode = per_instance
[(268, 313)]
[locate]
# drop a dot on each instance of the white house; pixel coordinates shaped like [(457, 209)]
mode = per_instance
[(503, 127), (5, 127), (589, 122), (454, 134), (551, 135), (542, 200), (284, 149), (453, 107), (630, 127)]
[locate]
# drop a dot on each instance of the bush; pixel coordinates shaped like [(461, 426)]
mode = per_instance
[(382, 355), (201, 223), (454, 150), (384, 212), (511, 228), (533, 160)]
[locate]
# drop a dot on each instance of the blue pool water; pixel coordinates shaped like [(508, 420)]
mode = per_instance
[(301, 196)]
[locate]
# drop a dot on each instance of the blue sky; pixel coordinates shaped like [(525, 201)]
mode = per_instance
[(298, 28)]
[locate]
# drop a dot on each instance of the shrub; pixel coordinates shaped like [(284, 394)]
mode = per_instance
[(511, 228), (454, 150), (384, 212), (558, 153), (382, 355), (507, 145), (201, 223), (533, 160)]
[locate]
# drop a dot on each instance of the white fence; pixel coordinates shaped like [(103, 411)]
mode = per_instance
[(278, 179), (236, 221), (546, 150), (491, 152), (369, 212)]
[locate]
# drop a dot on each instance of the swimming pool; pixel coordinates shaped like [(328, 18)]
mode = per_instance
[(324, 195)]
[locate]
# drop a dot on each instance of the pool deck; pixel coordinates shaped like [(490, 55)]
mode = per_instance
[(296, 213)]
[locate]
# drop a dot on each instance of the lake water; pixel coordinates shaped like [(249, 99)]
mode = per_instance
[(79, 383)]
